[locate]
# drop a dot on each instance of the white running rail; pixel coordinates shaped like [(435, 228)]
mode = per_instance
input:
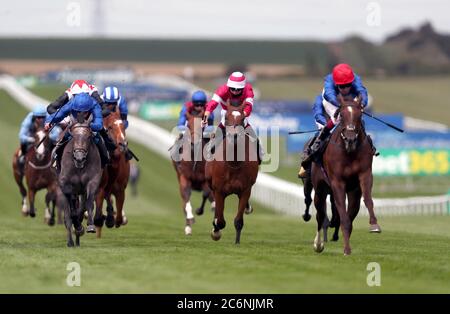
[(281, 195)]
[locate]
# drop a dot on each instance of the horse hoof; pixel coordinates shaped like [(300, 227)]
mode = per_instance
[(90, 229), (319, 247), (32, 215), (199, 211), (187, 230), (375, 228), (335, 238), (79, 232), (190, 221), (51, 222), (25, 213), (347, 252), (249, 209), (110, 221), (124, 221), (306, 217), (70, 244), (216, 235)]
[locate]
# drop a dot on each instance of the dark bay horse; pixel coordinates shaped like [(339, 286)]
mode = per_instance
[(233, 170), (347, 162), (79, 178), (191, 168), (38, 175), (114, 178)]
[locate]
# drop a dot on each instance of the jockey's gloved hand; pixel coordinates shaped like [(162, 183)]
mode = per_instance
[(330, 124), (205, 119), (47, 126), (30, 139)]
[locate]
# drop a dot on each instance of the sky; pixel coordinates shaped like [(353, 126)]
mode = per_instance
[(226, 19)]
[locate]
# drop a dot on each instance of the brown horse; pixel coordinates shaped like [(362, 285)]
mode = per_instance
[(38, 175), (347, 162), (114, 178), (191, 168), (233, 170)]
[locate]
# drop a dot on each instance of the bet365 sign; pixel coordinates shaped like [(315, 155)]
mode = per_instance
[(412, 162)]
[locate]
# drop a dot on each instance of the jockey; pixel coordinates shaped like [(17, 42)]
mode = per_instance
[(237, 91), (111, 98), (81, 103), (341, 81), (198, 99), (79, 87), (26, 136)]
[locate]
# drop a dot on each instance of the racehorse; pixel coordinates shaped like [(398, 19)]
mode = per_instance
[(38, 175), (347, 162), (79, 178), (191, 168), (233, 170), (115, 176)]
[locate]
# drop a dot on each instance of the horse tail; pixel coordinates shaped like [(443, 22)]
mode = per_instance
[(18, 175)]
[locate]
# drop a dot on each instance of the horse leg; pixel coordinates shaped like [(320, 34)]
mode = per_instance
[(325, 226), (77, 216), (366, 181), (346, 225), (110, 219), (239, 219), (49, 215), (31, 195), (219, 220), (334, 223), (354, 203), (321, 208), (185, 191), (199, 211), (211, 199), (120, 199), (23, 192), (89, 205), (68, 218), (307, 189)]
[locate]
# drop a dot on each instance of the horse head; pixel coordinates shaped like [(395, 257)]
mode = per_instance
[(194, 123), (81, 133), (234, 121), (351, 121), (116, 129), (39, 134)]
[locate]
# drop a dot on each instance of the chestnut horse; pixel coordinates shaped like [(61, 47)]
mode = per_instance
[(38, 175), (114, 178), (233, 170), (347, 162), (191, 168)]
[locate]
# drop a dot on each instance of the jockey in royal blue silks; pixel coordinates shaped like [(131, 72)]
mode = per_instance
[(26, 133), (341, 81), (80, 103)]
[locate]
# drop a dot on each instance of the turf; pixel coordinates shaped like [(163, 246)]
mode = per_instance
[(152, 255)]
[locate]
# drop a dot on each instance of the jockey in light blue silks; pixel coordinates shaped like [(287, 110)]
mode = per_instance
[(26, 133), (341, 81), (80, 103)]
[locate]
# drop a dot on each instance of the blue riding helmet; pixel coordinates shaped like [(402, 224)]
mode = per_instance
[(199, 96), (83, 103), (39, 111), (111, 94)]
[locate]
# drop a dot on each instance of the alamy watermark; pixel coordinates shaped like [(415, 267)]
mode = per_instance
[(373, 18), (73, 278), (73, 18), (374, 277)]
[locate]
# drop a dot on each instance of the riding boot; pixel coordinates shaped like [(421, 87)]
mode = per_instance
[(374, 149), (104, 155), (58, 151), (21, 157), (311, 151), (128, 155), (107, 140)]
